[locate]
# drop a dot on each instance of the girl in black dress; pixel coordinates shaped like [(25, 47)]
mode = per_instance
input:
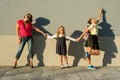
[(61, 48)]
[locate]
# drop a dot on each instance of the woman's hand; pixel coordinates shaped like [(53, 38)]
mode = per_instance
[(38, 30), (45, 35), (19, 41)]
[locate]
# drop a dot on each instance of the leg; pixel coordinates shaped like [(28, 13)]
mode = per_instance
[(96, 47), (21, 46), (96, 51), (31, 62), (15, 63), (30, 51), (93, 52), (61, 61), (89, 49), (66, 60), (89, 59)]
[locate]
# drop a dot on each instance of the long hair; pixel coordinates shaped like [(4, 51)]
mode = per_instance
[(30, 17), (58, 31), (89, 21)]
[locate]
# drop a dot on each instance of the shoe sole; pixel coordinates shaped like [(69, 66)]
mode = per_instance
[(91, 68)]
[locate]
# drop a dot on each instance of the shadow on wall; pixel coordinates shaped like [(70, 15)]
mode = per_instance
[(76, 49), (39, 41), (108, 46)]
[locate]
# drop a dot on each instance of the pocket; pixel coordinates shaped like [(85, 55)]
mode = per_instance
[(23, 38)]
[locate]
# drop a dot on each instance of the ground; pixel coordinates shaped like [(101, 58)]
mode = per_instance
[(56, 73)]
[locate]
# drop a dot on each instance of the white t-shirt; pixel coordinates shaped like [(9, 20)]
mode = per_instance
[(93, 29)]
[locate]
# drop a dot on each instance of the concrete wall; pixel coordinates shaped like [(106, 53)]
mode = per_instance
[(48, 15), (44, 52)]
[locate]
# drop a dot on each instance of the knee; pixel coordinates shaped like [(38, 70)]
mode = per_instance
[(65, 57)]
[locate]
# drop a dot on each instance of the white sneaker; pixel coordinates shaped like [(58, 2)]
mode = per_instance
[(62, 66), (67, 65)]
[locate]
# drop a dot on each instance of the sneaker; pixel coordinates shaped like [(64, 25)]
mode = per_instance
[(62, 66), (87, 54), (91, 67), (67, 66)]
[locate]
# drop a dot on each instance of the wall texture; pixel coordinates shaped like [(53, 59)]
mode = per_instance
[(48, 15)]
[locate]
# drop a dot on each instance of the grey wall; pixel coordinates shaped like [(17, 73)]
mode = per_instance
[(73, 14)]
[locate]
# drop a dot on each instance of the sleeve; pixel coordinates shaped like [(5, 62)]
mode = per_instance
[(72, 39), (90, 27), (54, 36), (18, 21)]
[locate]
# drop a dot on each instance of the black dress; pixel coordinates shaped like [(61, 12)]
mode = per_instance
[(61, 46), (92, 42)]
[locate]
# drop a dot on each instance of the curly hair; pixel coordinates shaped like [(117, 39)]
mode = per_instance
[(58, 31)]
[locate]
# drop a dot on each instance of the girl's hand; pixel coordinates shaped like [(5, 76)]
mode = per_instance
[(100, 10), (77, 40)]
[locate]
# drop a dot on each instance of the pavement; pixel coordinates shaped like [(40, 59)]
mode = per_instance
[(56, 73)]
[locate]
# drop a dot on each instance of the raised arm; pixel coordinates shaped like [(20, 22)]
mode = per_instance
[(100, 14), (38, 30)]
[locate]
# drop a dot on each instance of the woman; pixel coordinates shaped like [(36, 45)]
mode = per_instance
[(24, 33), (92, 43)]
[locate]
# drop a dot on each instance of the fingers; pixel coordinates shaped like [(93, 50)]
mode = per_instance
[(19, 41), (100, 10), (77, 40), (45, 35)]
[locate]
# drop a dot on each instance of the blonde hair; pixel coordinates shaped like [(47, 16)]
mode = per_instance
[(58, 31)]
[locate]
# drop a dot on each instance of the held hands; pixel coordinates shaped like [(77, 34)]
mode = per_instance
[(45, 35), (77, 40)]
